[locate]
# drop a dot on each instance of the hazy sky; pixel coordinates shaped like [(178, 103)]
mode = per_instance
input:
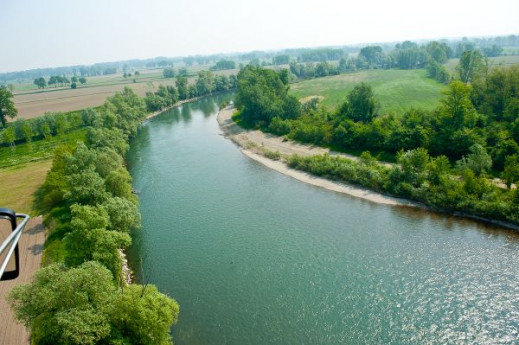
[(50, 33)]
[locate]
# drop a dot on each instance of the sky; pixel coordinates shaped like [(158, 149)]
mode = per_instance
[(52, 33)]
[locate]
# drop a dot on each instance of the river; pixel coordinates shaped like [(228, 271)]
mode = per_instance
[(256, 257)]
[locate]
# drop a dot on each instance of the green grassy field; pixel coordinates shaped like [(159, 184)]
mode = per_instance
[(395, 90)]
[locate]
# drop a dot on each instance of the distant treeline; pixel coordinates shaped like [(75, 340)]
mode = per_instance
[(475, 130), (489, 47), (405, 55)]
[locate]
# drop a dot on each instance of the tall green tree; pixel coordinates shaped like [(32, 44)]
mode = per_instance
[(470, 66), (360, 105), (7, 108), (262, 95), (181, 84), (40, 82), (65, 306)]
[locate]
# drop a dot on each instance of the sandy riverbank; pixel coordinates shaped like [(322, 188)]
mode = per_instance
[(254, 143)]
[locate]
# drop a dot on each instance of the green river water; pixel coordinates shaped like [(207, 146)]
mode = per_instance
[(256, 257)]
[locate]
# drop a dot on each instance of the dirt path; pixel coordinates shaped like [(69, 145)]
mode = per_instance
[(31, 248), (254, 143)]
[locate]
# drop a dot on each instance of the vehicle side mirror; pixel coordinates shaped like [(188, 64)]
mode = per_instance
[(9, 253)]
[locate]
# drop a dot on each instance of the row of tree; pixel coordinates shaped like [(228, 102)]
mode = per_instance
[(57, 80), (82, 298), (43, 127)]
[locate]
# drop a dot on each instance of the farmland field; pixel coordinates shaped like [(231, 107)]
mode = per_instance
[(396, 90), (495, 61), (32, 103)]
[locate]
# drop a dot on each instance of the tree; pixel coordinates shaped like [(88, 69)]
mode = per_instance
[(470, 66), (479, 161), (511, 172), (262, 95), (457, 108), (7, 108), (123, 214), (168, 73), (144, 316), (360, 104), (73, 86), (53, 80), (40, 82), (372, 54), (27, 131), (181, 84), (66, 306), (8, 136)]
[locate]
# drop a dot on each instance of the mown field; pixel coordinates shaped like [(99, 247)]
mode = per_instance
[(395, 90), (19, 183)]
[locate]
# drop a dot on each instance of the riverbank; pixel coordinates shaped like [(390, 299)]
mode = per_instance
[(256, 144), (259, 146)]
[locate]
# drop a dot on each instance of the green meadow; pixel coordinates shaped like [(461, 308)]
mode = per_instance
[(395, 90)]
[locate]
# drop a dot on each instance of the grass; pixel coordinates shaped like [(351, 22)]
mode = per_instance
[(37, 150), (395, 90), (18, 185)]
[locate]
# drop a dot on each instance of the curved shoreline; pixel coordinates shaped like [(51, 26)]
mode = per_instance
[(254, 144)]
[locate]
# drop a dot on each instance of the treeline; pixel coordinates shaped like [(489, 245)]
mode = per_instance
[(475, 127), (82, 297), (44, 127), (488, 46), (406, 55), (206, 83)]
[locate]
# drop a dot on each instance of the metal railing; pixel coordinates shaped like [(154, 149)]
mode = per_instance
[(11, 242)]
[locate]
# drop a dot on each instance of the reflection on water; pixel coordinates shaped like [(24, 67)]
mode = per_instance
[(255, 257)]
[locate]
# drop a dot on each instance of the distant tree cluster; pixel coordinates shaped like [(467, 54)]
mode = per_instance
[(311, 70), (223, 65), (281, 60), (168, 72), (82, 297), (321, 54)]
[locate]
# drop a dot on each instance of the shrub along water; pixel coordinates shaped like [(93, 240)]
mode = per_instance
[(419, 177)]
